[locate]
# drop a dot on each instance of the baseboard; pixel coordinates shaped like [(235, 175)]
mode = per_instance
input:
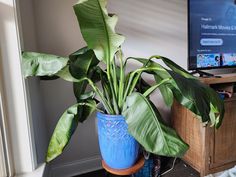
[(41, 171), (77, 167)]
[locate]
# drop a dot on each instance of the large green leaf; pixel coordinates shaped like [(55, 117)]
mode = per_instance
[(86, 111), (63, 132), (66, 127), (66, 75), (217, 109), (174, 67), (39, 64), (146, 126), (98, 28), (199, 98), (160, 74), (79, 89), (187, 90), (165, 90), (82, 62), (153, 67)]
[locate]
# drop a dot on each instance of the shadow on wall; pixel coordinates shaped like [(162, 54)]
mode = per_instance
[(153, 27), (146, 15)]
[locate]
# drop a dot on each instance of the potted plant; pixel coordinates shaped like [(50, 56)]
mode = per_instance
[(125, 113)]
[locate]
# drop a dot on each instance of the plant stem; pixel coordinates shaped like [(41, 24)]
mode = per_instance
[(114, 78), (103, 99), (130, 88), (153, 88), (129, 58), (111, 76), (106, 89), (133, 80), (122, 78), (106, 93), (114, 89)]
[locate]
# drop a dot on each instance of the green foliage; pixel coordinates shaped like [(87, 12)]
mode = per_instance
[(66, 127), (121, 92), (98, 28), (38, 64), (146, 126)]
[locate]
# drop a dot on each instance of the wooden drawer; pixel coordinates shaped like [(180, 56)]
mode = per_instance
[(224, 140)]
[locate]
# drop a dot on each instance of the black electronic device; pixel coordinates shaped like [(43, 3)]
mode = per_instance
[(211, 34)]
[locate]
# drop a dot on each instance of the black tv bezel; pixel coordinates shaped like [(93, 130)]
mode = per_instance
[(189, 58)]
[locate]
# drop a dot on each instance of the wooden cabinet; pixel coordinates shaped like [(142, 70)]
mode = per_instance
[(210, 150)]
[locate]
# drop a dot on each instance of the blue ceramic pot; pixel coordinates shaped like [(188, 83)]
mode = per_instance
[(118, 148)]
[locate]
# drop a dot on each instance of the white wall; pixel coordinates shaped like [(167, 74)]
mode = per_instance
[(150, 26), (153, 27)]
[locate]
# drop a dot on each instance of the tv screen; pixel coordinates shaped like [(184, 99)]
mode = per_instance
[(212, 34)]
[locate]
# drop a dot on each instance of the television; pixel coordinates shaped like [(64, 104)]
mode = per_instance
[(211, 34)]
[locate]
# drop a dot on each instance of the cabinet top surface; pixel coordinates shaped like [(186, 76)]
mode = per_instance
[(224, 78)]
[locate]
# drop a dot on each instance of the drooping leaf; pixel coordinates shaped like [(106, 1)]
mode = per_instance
[(217, 107), (149, 64), (187, 90), (39, 64), (63, 132), (86, 111), (159, 76), (174, 67), (189, 104), (82, 62), (66, 126), (95, 74), (98, 28), (79, 89), (87, 95), (66, 75), (201, 98), (166, 92), (145, 125)]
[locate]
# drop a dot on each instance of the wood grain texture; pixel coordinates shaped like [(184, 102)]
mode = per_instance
[(225, 137), (210, 150), (191, 131), (225, 78)]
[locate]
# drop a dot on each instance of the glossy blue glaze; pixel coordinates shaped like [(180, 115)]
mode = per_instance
[(118, 148)]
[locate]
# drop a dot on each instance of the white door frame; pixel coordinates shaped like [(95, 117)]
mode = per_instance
[(17, 117), (3, 171), (6, 168)]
